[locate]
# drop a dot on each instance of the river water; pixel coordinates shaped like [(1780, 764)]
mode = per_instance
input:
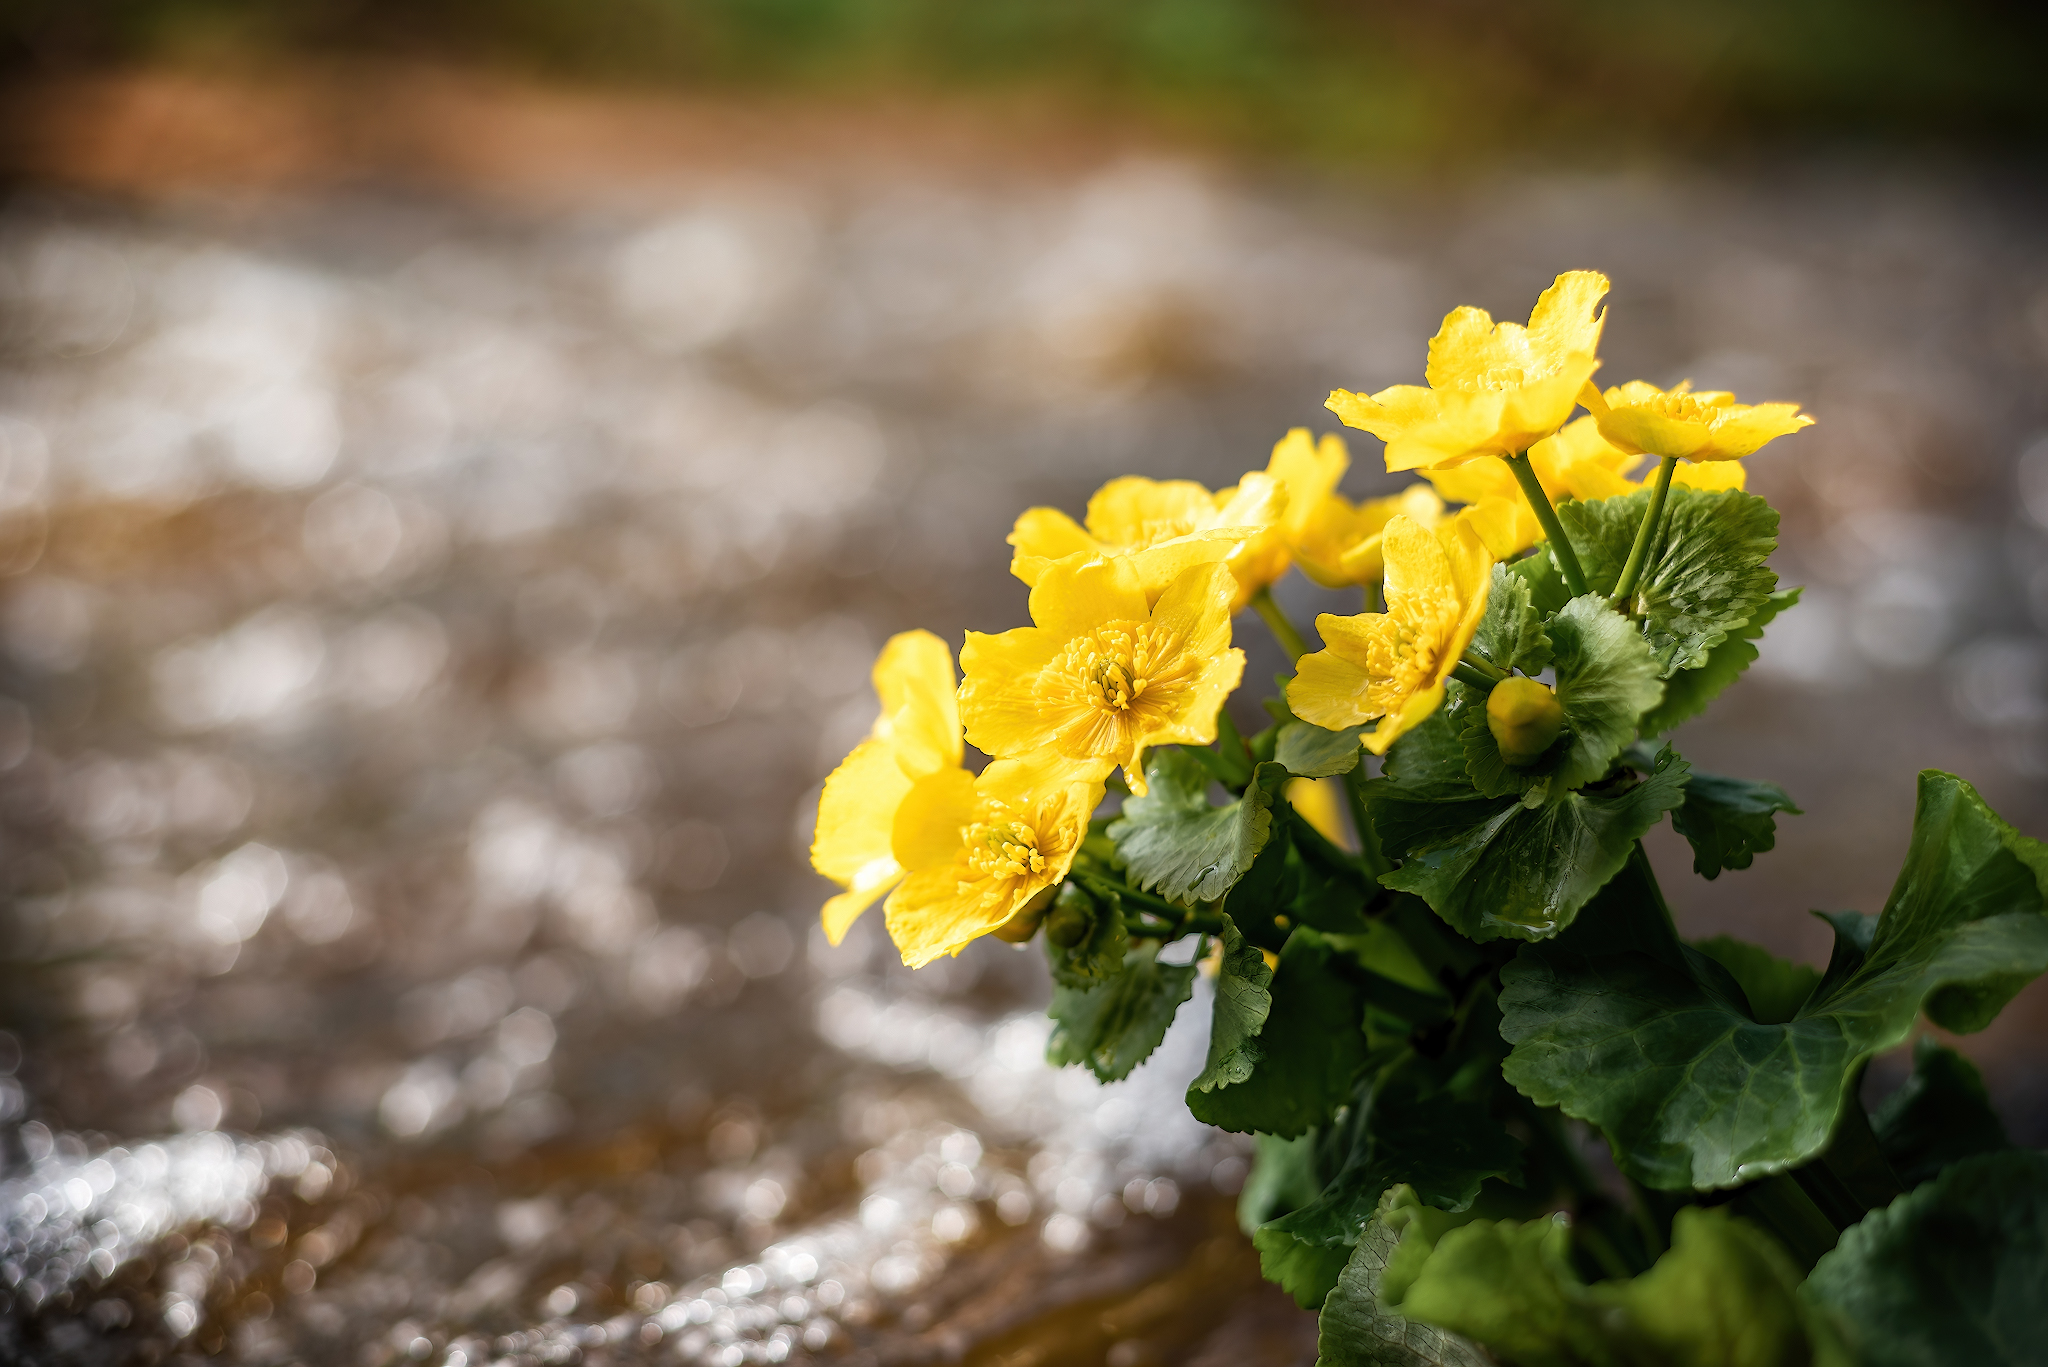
[(426, 625)]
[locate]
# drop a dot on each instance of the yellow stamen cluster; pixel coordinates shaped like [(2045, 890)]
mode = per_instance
[(1002, 849), (1112, 666)]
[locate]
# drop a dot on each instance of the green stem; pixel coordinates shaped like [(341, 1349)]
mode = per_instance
[(1786, 1210), (1646, 535), (1539, 503), (1276, 621), (1466, 674), (1375, 596), (1181, 917), (1484, 666)]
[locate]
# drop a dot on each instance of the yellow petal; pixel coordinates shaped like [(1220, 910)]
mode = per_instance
[(926, 832), (1467, 348), (1577, 462), (1471, 573), (1418, 709), (1159, 565), (920, 711), (1417, 565), (1132, 512), (1507, 525), (1641, 429), (839, 913), (856, 812), (998, 690), (1043, 535), (1386, 414), (1329, 685), (1710, 475), (1308, 471), (1567, 318), (1080, 593), (1745, 429), (1363, 562)]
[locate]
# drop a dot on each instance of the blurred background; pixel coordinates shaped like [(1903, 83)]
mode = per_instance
[(457, 462)]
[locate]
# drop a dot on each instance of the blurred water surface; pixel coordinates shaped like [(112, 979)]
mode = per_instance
[(426, 626)]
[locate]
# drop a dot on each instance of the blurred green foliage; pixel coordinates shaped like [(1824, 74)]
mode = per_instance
[(1329, 78)]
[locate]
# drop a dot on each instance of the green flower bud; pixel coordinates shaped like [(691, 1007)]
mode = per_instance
[(1072, 916), (1024, 924), (1524, 717)]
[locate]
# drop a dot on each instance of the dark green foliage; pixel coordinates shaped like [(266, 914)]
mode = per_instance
[(1308, 751), (1356, 1328), (1952, 1272), (1174, 843), (1494, 867), (1114, 1026), (1687, 693), (1243, 1001), (1407, 1127), (1725, 1295), (1710, 578), (1511, 635), (1085, 939), (1647, 1038), (1941, 1115), (1606, 678), (1729, 821), (1309, 1049), (1774, 988)]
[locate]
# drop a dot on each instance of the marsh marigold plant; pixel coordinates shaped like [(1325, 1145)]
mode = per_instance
[(1438, 962)]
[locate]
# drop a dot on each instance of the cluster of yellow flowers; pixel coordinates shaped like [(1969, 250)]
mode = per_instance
[(1131, 610)]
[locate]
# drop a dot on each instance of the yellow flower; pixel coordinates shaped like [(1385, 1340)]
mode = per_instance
[(1342, 542), (1393, 665), (1576, 462), (914, 748), (1307, 471), (1162, 526), (1708, 425), (1105, 673), (1495, 389), (978, 851)]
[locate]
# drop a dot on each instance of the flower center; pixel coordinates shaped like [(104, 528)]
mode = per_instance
[(1003, 849), (1683, 407), (1111, 667)]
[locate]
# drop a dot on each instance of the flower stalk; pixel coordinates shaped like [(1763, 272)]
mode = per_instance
[(1539, 504), (1284, 631), (1646, 536)]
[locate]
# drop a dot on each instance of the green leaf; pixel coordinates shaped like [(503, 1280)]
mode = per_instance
[(1940, 1116), (1724, 1295), (1357, 1331), (1493, 867), (1729, 821), (1623, 1027), (1952, 1272), (1283, 1177), (1547, 588), (1311, 1048), (1243, 1001), (1687, 693), (1511, 634), (1401, 1131), (1774, 987), (1309, 751), (1114, 1026), (1606, 678), (1099, 954), (1707, 582), (1174, 843)]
